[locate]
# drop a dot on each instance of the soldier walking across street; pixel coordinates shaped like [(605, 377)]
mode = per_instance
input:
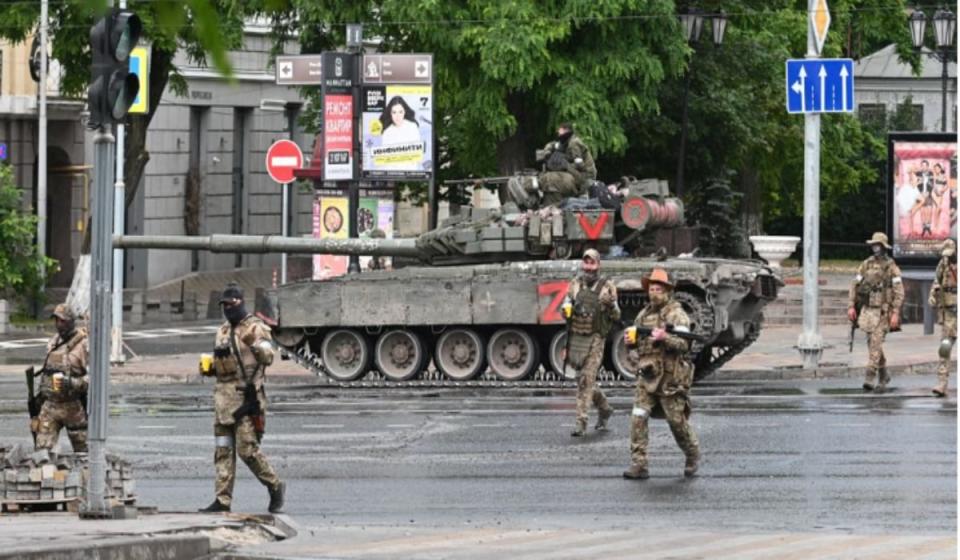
[(591, 309), (242, 352), (63, 385), (943, 296), (875, 298), (664, 375)]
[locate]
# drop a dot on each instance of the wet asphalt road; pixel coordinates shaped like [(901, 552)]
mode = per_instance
[(777, 456)]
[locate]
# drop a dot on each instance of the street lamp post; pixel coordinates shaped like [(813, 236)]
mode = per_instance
[(944, 29), (691, 21)]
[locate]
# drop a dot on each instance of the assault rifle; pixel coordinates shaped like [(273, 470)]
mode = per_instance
[(34, 402), (251, 407), (644, 332), (853, 324)]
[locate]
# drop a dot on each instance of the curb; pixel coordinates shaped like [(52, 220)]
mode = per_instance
[(834, 372), (147, 547)]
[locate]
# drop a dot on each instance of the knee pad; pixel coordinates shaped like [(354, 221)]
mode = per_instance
[(225, 442), (946, 345)]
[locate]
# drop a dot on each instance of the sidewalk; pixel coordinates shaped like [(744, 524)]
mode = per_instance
[(772, 356), (63, 536)]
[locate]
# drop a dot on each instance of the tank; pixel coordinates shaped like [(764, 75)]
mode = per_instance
[(480, 298)]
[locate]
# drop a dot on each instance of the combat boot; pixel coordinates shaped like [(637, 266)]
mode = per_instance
[(605, 415), (868, 380), (941, 389), (580, 429), (636, 472), (276, 498), (693, 464), (215, 507)]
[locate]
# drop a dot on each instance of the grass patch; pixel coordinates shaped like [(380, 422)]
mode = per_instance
[(27, 320)]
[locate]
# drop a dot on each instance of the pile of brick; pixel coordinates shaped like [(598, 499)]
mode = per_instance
[(40, 477)]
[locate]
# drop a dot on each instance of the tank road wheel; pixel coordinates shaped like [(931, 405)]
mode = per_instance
[(512, 354), (620, 358), (345, 354), (399, 354), (459, 354), (558, 343)]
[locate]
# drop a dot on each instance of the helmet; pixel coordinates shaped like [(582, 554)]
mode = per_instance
[(949, 248), (879, 238), (657, 276), (63, 311)]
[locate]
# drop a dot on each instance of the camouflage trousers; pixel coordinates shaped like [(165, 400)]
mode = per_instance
[(56, 415), (674, 409), (949, 331), (557, 186), (876, 361), (587, 390), (239, 439)]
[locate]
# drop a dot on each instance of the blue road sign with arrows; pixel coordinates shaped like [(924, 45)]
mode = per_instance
[(820, 85)]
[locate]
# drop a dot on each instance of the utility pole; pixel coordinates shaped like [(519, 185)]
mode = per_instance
[(42, 143)]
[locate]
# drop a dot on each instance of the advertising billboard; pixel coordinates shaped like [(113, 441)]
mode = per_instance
[(397, 131), (330, 221), (922, 194), (338, 137)]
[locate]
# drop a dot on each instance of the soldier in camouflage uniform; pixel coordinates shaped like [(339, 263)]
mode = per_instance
[(943, 296), (63, 385), (664, 377), (569, 167), (591, 309), (242, 352), (876, 295)]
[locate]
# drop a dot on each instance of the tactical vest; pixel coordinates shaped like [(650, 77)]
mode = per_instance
[(58, 359), (874, 288), (589, 317)]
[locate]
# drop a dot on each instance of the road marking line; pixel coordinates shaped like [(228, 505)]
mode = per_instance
[(155, 427), (321, 426), (401, 425), (489, 426)]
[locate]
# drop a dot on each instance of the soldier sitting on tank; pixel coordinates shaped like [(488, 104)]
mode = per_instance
[(568, 171)]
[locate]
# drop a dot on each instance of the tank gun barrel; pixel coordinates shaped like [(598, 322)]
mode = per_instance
[(222, 243)]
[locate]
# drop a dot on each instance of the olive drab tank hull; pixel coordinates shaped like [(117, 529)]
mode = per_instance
[(500, 321), (480, 295)]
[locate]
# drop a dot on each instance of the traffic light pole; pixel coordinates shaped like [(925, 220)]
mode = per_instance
[(42, 144), (100, 279)]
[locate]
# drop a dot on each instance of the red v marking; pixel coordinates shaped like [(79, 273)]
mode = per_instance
[(593, 230)]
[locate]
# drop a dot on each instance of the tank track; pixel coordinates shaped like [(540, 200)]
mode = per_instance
[(720, 355)]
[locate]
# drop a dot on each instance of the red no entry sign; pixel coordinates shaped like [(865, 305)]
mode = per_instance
[(283, 157)]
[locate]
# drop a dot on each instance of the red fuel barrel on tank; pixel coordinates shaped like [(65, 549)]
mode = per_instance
[(640, 213)]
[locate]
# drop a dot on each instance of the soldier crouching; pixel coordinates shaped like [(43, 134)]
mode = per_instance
[(591, 309), (876, 295), (664, 377), (943, 296), (241, 354), (63, 385)]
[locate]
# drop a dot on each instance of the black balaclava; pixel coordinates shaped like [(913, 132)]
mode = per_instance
[(235, 313)]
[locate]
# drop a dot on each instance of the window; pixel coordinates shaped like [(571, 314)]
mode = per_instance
[(913, 117), (873, 115)]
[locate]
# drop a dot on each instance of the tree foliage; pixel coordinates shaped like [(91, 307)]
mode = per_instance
[(21, 265)]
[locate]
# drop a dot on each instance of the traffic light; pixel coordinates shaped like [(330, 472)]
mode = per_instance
[(112, 87)]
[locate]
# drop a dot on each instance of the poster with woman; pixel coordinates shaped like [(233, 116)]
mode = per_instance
[(923, 179), (397, 130), (330, 222)]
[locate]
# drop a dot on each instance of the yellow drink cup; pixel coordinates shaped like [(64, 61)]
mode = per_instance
[(206, 364)]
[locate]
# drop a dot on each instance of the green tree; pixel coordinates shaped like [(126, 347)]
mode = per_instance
[(20, 263), (508, 72), (198, 28)]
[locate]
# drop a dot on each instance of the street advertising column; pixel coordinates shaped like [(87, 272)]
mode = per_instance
[(330, 221), (922, 194), (397, 104), (338, 133)]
